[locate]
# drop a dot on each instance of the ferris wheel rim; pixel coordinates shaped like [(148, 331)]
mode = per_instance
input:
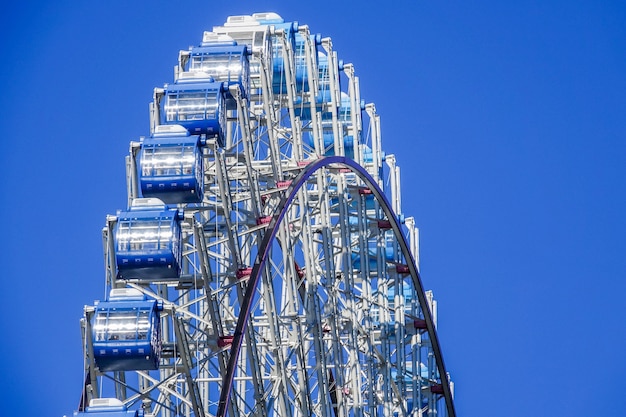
[(262, 256)]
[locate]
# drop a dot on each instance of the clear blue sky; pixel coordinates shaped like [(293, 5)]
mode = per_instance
[(508, 120)]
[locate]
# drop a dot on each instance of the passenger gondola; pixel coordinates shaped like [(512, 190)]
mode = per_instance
[(218, 58), (148, 241), (126, 332), (197, 106), (170, 167)]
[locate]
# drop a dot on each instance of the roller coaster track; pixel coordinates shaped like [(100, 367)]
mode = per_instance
[(263, 266)]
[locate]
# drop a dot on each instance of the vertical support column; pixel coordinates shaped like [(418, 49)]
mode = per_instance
[(155, 108), (311, 304), (221, 173), (313, 78), (246, 138), (324, 222), (356, 124), (367, 293), (413, 240), (132, 183), (166, 372), (294, 297), (268, 107), (351, 344), (394, 178), (91, 378), (376, 147), (108, 243), (289, 67), (120, 384), (187, 365), (281, 385), (335, 95), (399, 324), (211, 302)]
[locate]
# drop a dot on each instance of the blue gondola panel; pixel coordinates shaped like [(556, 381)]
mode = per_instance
[(148, 243), (197, 106), (171, 168), (126, 334), (218, 60)]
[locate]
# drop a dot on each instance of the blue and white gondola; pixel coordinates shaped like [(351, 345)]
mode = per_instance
[(148, 242), (219, 58), (170, 167), (126, 332), (198, 106)]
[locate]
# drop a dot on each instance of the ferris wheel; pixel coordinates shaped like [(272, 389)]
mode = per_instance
[(262, 266)]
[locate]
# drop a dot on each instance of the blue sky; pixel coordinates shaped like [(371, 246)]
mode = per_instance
[(508, 122)]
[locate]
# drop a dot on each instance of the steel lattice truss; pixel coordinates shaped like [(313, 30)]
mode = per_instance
[(298, 291)]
